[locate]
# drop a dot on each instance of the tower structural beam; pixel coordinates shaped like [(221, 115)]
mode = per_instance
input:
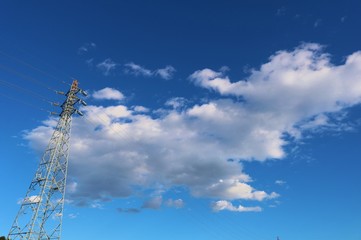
[(41, 211)]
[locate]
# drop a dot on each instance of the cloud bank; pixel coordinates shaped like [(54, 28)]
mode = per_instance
[(117, 151)]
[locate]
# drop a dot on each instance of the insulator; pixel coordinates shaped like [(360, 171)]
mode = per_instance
[(54, 113), (82, 102), (83, 92), (55, 104), (60, 92), (80, 113)]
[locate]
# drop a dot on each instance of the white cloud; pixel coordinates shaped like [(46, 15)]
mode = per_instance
[(124, 151), (292, 87), (140, 109), (137, 70), (177, 203), (173, 150), (107, 66), (108, 94), (226, 205), (166, 73), (32, 199), (73, 215), (176, 102), (280, 182), (96, 205), (71, 187)]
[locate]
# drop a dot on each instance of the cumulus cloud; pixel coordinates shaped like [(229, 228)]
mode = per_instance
[(108, 94), (226, 205), (107, 66), (137, 70), (145, 151), (124, 151), (295, 85)]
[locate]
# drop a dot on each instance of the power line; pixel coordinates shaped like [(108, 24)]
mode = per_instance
[(33, 55), (8, 84), (31, 66), (26, 103), (25, 77)]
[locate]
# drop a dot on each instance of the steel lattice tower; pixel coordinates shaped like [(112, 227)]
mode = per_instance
[(41, 211)]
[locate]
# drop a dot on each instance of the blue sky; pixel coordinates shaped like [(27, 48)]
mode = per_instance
[(205, 119)]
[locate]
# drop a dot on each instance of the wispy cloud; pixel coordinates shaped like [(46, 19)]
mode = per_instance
[(86, 47), (317, 23), (165, 73), (73, 215), (280, 182), (176, 203), (281, 11), (177, 102), (90, 62), (107, 66), (138, 70), (223, 205)]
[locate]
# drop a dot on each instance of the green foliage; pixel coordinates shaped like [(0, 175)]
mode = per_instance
[(2, 238)]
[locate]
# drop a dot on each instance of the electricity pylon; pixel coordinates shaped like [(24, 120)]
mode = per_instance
[(41, 211)]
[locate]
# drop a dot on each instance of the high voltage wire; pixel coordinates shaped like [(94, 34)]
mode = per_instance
[(25, 103), (38, 58), (25, 77), (8, 84), (30, 66), (34, 68), (28, 78)]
